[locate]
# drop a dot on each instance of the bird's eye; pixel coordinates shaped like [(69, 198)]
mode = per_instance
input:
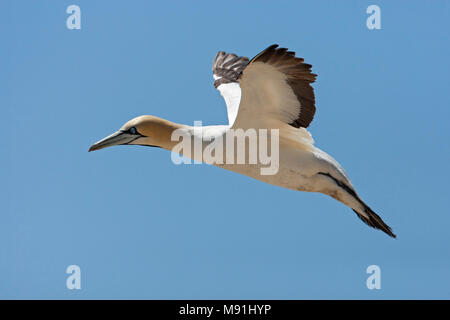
[(132, 130)]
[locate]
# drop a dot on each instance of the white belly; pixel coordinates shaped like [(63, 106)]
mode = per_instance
[(298, 166), (297, 170)]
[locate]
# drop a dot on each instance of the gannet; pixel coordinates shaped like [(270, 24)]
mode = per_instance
[(271, 91)]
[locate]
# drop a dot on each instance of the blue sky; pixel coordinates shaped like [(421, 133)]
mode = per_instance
[(140, 227)]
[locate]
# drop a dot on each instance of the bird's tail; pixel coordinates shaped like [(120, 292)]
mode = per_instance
[(349, 197), (372, 219)]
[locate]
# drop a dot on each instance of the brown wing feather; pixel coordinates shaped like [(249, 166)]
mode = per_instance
[(228, 67), (299, 78)]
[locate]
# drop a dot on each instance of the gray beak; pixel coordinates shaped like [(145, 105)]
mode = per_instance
[(117, 138)]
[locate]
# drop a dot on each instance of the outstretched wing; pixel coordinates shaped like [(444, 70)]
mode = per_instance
[(273, 88), (227, 68), (276, 87)]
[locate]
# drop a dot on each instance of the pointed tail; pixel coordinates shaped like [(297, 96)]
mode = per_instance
[(372, 219), (351, 199)]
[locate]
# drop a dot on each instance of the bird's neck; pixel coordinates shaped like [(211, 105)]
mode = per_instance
[(164, 132)]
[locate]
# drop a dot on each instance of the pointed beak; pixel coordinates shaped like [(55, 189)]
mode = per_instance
[(117, 138)]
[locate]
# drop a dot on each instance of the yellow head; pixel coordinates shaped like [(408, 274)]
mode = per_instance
[(144, 130)]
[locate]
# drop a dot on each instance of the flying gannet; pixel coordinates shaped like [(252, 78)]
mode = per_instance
[(271, 91)]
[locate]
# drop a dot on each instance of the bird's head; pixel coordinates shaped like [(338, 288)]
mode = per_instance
[(144, 130)]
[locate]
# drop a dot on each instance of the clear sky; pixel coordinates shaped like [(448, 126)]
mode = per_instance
[(141, 227)]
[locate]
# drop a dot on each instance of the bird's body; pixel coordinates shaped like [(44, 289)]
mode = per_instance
[(270, 93), (298, 165), (301, 168)]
